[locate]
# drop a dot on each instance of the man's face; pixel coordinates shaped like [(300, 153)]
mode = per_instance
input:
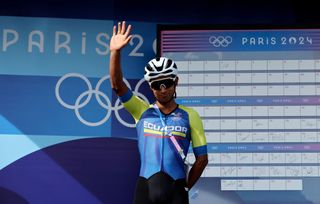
[(163, 89)]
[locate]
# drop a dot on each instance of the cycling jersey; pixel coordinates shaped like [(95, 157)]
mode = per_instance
[(157, 152)]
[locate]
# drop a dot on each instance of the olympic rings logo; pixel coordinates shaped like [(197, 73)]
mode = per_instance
[(98, 94), (220, 41)]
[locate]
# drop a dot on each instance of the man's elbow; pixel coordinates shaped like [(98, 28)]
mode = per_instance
[(203, 160), (206, 161), (119, 88)]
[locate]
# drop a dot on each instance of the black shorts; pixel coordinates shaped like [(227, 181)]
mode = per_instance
[(160, 189)]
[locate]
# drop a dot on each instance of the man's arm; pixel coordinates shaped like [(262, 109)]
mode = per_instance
[(197, 169), (199, 145), (120, 38)]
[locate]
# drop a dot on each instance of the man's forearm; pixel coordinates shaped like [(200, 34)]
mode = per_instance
[(116, 78), (196, 170)]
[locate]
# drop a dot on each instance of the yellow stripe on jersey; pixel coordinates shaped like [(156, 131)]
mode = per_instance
[(181, 134), (152, 131)]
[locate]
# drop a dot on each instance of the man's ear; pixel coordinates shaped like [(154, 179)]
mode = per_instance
[(176, 81)]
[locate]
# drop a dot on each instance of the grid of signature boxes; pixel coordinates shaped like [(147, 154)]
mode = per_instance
[(261, 119)]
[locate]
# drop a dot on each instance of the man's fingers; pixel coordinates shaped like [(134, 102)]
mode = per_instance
[(128, 39), (114, 30), (123, 27), (119, 27), (128, 30)]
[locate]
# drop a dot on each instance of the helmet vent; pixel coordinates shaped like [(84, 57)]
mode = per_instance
[(169, 63), (148, 67)]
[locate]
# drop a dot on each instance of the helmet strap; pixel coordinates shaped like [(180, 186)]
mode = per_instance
[(175, 92)]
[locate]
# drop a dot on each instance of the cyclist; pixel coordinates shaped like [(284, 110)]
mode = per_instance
[(163, 128)]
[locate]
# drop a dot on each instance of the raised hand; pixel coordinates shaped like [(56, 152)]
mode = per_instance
[(120, 37)]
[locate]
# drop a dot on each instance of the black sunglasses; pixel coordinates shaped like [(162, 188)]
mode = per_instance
[(166, 83)]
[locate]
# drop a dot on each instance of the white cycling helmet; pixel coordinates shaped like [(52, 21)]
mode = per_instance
[(160, 67)]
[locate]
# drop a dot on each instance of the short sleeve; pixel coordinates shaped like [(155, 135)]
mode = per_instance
[(133, 104)]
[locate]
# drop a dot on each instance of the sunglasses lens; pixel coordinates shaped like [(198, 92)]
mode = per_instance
[(163, 83)]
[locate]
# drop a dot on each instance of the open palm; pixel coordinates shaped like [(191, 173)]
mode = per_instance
[(120, 36)]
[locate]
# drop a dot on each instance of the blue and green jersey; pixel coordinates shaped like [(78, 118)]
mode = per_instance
[(157, 152)]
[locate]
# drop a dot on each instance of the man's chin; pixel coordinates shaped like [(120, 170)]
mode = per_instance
[(164, 101)]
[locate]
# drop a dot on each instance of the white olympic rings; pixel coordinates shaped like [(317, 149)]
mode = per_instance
[(220, 41), (78, 104)]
